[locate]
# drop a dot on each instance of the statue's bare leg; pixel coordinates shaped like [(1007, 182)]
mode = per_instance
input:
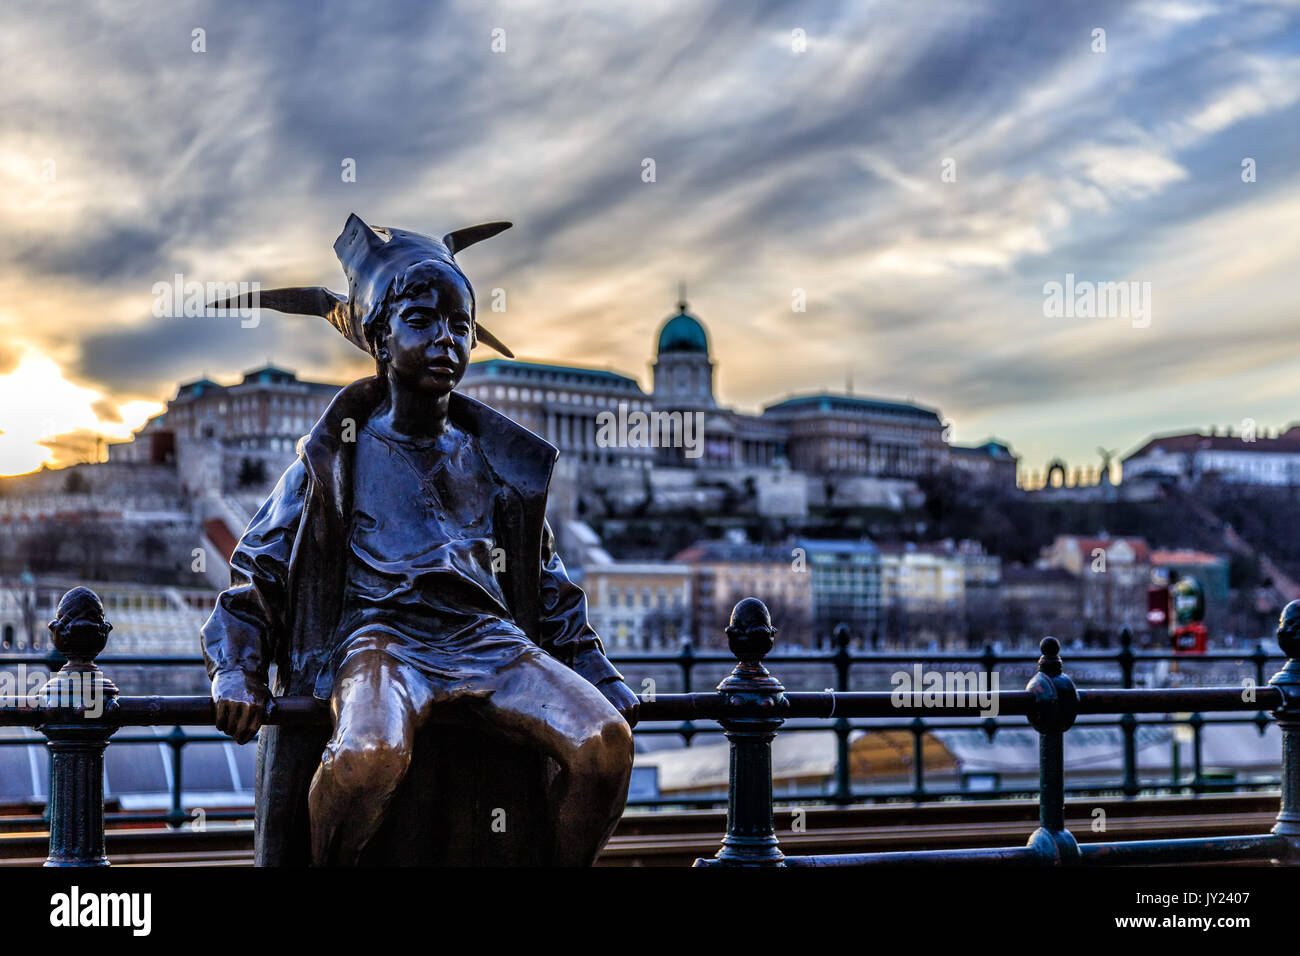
[(543, 704), (377, 705)]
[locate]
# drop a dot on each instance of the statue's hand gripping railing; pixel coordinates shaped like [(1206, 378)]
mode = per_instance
[(79, 709)]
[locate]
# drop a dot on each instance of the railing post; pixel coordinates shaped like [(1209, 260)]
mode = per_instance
[(750, 688), (1287, 680), (918, 759), (1128, 723), (1259, 657), (686, 660), (176, 816), (843, 662), (78, 690), (1197, 723), (1057, 705), (1125, 657)]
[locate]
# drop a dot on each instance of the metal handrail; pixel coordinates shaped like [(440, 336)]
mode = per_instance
[(750, 705), (843, 659)]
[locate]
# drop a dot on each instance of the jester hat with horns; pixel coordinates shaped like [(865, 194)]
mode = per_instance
[(372, 258)]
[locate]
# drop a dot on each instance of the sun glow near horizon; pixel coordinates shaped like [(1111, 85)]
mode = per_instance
[(40, 405)]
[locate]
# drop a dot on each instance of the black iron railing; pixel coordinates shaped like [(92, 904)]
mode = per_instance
[(751, 706), (1124, 662)]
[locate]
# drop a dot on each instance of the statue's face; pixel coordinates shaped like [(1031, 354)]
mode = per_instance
[(430, 335)]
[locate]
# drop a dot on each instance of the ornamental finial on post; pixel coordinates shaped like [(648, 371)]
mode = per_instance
[(751, 636), (1055, 694), (1288, 632), (1287, 679), (79, 632), (80, 629)]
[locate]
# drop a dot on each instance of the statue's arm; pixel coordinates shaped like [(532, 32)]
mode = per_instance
[(565, 631), (240, 636)]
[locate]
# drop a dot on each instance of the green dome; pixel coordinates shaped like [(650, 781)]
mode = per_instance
[(683, 333)]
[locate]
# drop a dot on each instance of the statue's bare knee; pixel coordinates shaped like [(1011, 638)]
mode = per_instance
[(367, 767), (606, 753), (351, 790)]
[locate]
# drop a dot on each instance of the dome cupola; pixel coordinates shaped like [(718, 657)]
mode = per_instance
[(683, 373), (683, 333)]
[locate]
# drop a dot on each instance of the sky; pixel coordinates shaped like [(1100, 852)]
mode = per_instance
[(917, 173)]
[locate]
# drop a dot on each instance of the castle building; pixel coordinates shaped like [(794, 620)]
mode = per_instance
[(222, 436), (613, 436), (989, 463), (816, 434), (683, 385), (828, 433), (562, 403)]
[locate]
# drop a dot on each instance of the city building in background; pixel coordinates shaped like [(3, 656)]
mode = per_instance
[(228, 438), (1038, 602), (725, 572), (802, 451), (561, 403), (846, 585), (845, 434), (1113, 574), (1243, 458), (926, 588), (167, 507), (990, 463), (640, 605)]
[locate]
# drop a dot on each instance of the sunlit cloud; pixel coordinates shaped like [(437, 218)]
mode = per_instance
[(818, 170)]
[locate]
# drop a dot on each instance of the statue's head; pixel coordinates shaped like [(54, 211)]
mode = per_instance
[(424, 330), (408, 303)]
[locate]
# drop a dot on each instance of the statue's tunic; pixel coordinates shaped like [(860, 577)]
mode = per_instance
[(421, 584)]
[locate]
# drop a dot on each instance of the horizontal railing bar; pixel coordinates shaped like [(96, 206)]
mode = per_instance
[(196, 710), (155, 711), (125, 818), (945, 723), (786, 801), (1256, 848), (1142, 700), (885, 704), (1006, 856), (822, 705), (712, 657), (1260, 848), (654, 725)]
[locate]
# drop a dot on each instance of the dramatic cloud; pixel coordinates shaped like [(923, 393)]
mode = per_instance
[(919, 170)]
